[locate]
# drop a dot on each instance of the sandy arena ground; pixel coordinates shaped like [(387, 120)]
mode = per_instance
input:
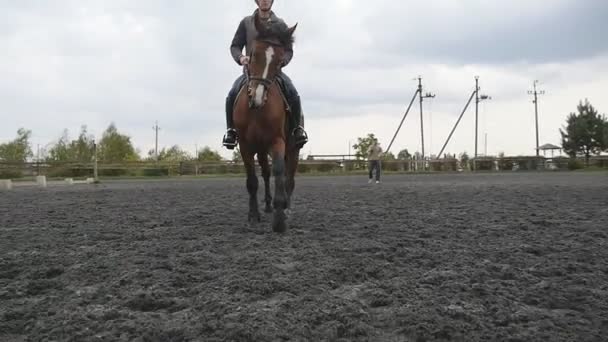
[(494, 257)]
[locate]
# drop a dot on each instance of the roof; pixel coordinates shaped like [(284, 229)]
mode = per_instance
[(549, 147)]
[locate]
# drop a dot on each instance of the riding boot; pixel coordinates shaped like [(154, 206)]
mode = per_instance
[(230, 137), (298, 132)]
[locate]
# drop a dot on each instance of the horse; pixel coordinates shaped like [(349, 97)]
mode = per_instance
[(262, 125)]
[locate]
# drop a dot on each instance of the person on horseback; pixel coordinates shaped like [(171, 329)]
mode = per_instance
[(244, 36)]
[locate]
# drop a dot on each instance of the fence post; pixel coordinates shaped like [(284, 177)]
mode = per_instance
[(95, 170)]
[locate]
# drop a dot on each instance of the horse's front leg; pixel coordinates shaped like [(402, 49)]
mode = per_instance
[(279, 223), (263, 161), (292, 167), (252, 184)]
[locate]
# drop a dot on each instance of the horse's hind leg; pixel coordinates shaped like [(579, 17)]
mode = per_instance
[(252, 184), (279, 223), (263, 161)]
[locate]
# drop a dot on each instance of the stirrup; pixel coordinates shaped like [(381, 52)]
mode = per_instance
[(230, 145), (302, 140)]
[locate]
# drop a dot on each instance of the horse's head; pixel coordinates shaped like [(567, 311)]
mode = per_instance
[(267, 57)]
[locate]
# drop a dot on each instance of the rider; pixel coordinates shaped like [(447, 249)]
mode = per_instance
[(244, 37)]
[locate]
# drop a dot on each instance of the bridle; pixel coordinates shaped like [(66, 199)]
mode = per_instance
[(267, 82)]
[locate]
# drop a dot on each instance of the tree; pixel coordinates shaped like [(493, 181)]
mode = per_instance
[(80, 150), (404, 155), (363, 144), (172, 154), (584, 132), (605, 137), (60, 150), (18, 150), (464, 160), (115, 147), (388, 156), (206, 154), (83, 149)]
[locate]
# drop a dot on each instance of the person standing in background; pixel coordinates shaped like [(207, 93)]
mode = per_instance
[(374, 153)]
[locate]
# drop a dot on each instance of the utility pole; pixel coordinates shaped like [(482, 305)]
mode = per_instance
[(418, 93), (422, 97), (485, 153), (95, 170), (38, 160), (156, 128), (478, 98), (536, 92)]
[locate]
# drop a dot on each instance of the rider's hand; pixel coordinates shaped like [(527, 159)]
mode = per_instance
[(244, 60)]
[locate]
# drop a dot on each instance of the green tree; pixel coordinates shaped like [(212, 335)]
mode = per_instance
[(79, 150), (584, 132), (83, 148), (404, 155), (363, 144), (464, 160), (60, 151), (115, 147), (389, 156), (172, 154), (605, 137), (206, 154), (18, 150)]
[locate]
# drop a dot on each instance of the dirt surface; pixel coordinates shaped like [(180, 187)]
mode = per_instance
[(509, 257)]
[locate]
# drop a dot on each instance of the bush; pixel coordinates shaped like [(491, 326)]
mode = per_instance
[(505, 164), (327, 167), (450, 165), (68, 172), (391, 165), (10, 174), (602, 163), (157, 172), (575, 164), (485, 165), (436, 166), (303, 168), (113, 172)]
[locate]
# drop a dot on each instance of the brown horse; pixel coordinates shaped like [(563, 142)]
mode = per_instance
[(261, 122)]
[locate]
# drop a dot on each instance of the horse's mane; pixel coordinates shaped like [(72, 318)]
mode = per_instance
[(276, 31)]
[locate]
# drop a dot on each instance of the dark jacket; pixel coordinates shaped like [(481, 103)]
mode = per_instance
[(246, 33)]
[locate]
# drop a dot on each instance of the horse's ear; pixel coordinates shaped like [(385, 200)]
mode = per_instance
[(291, 30)]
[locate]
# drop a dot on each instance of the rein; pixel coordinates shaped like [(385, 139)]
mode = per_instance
[(265, 81)]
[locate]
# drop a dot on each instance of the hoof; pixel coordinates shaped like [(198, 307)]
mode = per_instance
[(254, 218), (279, 224)]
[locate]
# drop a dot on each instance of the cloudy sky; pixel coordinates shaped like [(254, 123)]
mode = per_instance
[(67, 63)]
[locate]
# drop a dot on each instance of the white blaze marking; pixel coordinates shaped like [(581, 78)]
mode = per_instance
[(259, 91)]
